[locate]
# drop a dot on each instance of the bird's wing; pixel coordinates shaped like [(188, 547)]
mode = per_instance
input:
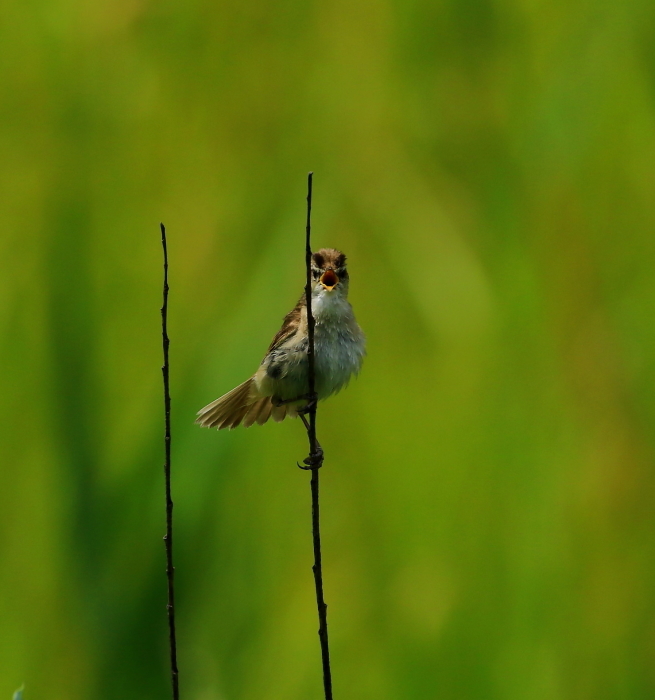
[(290, 325)]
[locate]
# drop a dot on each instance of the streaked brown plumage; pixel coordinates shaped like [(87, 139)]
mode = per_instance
[(282, 374)]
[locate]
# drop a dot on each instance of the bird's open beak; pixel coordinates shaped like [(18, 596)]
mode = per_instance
[(329, 280)]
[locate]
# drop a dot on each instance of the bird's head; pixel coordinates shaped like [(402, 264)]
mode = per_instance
[(329, 274)]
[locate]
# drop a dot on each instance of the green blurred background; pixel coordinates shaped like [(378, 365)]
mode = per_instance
[(488, 519)]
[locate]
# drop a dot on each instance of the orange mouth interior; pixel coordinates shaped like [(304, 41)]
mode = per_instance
[(329, 279)]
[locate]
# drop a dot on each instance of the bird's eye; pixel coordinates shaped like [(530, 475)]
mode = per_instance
[(316, 274)]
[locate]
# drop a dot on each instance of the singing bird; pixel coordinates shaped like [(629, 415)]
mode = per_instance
[(279, 387)]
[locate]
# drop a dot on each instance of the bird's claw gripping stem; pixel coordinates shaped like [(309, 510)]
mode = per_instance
[(314, 461)]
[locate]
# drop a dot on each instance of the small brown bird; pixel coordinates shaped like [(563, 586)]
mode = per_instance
[(280, 385)]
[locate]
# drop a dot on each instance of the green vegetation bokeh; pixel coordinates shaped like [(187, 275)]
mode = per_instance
[(487, 500)]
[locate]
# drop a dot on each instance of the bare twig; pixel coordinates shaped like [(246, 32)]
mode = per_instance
[(311, 430), (315, 459), (168, 537)]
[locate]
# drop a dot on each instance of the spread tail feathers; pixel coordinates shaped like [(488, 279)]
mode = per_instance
[(242, 405)]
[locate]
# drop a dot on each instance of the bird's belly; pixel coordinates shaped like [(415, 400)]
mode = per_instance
[(338, 356)]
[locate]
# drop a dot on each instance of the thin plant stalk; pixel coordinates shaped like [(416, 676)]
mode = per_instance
[(168, 537), (315, 459)]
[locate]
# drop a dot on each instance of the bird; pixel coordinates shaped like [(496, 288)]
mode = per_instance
[(279, 388)]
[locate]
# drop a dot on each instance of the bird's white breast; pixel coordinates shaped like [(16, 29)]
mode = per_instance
[(339, 343), (339, 346)]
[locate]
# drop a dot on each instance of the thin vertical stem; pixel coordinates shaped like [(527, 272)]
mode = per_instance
[(311, 370), (315, 459), (318, 582), (168, 537)]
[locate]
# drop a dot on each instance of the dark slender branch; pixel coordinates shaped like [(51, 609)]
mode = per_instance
[(315, 459), (168, 537), (310, 320)]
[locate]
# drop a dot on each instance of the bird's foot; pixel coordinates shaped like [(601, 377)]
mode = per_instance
[(314, 460)]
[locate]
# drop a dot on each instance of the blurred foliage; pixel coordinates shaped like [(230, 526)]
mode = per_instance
[(488, 166)]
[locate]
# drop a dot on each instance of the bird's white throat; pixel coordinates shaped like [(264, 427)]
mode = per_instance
[(330, 306)]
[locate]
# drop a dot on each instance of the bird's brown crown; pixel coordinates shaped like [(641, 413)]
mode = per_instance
[(329, 259)]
